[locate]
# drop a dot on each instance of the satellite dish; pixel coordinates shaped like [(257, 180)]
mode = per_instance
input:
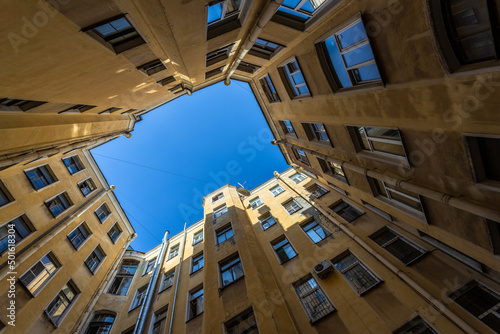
[(243, 191)]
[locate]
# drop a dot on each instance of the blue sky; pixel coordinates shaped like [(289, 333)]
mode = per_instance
[(184, 150)]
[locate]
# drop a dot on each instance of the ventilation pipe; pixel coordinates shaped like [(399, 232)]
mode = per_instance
[(143, 314), (177, 281), (268, 13), (456, 202)]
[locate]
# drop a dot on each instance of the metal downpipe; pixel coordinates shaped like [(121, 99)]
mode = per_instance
[(177, 281)]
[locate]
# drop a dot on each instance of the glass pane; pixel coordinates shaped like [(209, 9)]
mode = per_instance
[(360, 278), (366, 73), (291, 3), (214, 12), (337, 62), (388, 148), (358, 55), (406, 201), (346, 262), (403, 251), (352, 35)]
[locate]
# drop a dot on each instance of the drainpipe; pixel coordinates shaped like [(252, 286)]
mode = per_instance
[(268, 13), (84, 317), (440, 306), (177, 281), (447, 199), (143, 314)]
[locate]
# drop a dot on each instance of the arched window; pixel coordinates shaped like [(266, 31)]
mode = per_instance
[(101, 323), (467, 32)]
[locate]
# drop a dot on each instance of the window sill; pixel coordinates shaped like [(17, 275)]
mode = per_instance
[(314, 322), (90, 193), (300, 98), (167, 288), (287, 261), (359, 88), (196, 243), (386, 158), (325, 240), (135, 308), (489, 185), (46, 187), (418, 215), (81, 170), (7, 204), (265, 229), (196, 316), (369, 289), (195, 272), (60, 214), (230, 284)]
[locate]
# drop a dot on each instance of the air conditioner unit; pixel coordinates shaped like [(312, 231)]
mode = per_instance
[(323, 269)]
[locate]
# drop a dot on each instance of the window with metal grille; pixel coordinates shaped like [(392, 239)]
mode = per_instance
[(312, 298), (267, 220), (114, 232), (283, 249), (95, 259), (316, 132), (40, 176), (102, 212), (294, 80), (59, 204), (86, 187), (347, 57), (403, 249), (152, 67), (315, 231), (230, 270), (291, 206), (61, 304), (287, 128), (79, 235), (22, 228), (333, 169), (243, 323), (377, 140), (197, 263), (277, 190), (416, 325), (346, 210), (481, 302), (168, 280), (359, 277), (255, 203), (123, 278), (101, 323), (73, 164), (223, 234), (140, 294), (39, 274), (269, 90), (396, 194), (265, 49), (195, 303)]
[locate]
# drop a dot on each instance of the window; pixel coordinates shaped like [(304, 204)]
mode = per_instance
[(356, 274), (77, 108), (340, 190), (255, 203), (416, 325), (346, 210), (219, 211), (230, 270), (316, 132), (377, 140), (94, 260), (101, 324), (79, 235), (223, 234), (404, 250), (214, 72), (222, 17), (396, 194), (109, 110), (378, 211), (269, 90), (481, 302), (168, 280), (123, 278), (265, 49), (316, 191), (5, 196), (152, 67), (333, 169), (485, 155), (73, 164), (40, 273), (102, 213), (277, 190), (347, 58), (291, 206), (61, 304), (494, 233), (287, 128), (197, 263), (297, 177), (140, 294), (243, 323), (312, 298), (315, 231), (86, 187), (283, 249), (41, 176), (217, 197), (59, 204), (294, 80), (117, 34), (159, 321), (22, 228), (218, 55), (301, 156), (174, 251), (247, 67), (115, 232), (197, 237), (166, 81), (267, 220), (195, 303), (149, 266), (466, 31), (7, 104)]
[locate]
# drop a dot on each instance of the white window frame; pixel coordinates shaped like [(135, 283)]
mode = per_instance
[(294, 203), (277, 187), (297, 177), (255, 202)]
